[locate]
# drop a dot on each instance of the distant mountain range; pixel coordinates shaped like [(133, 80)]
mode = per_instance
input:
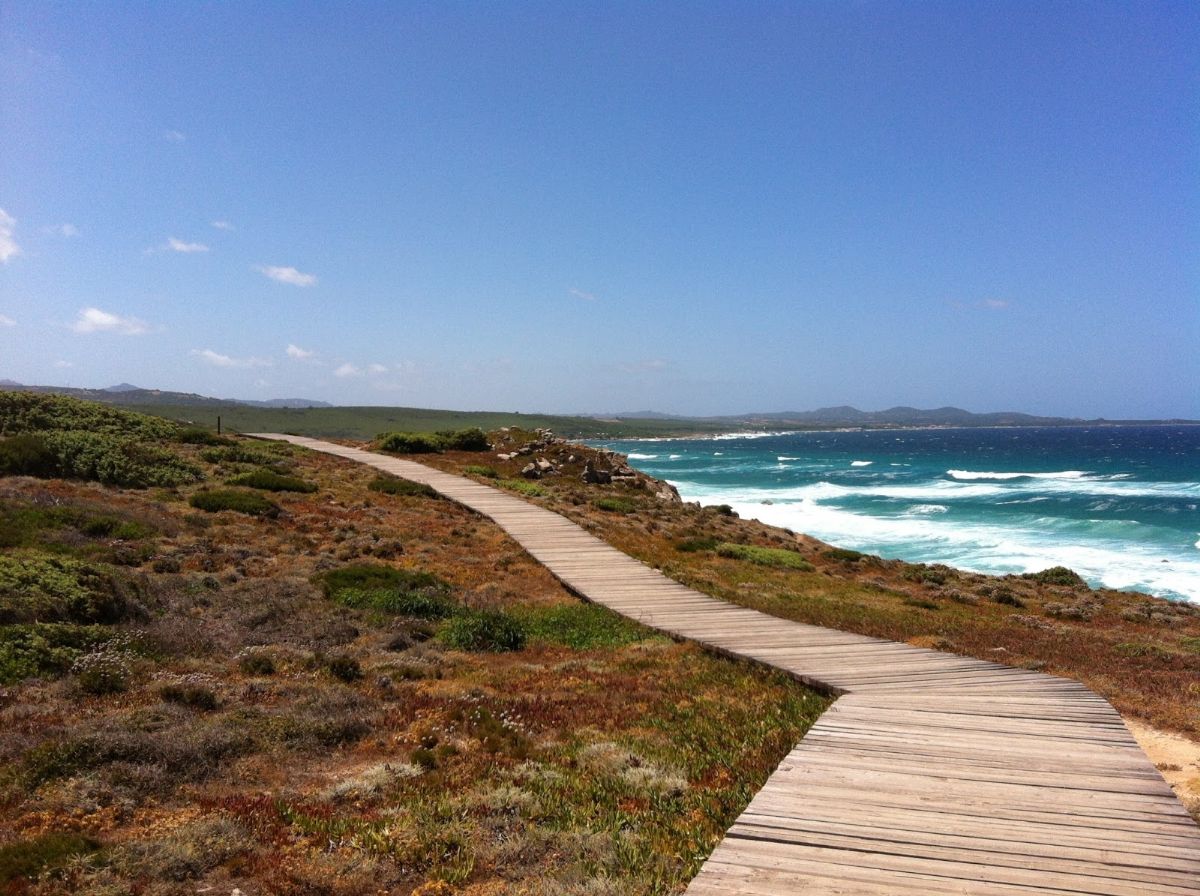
[(127, 393), (841, 417)]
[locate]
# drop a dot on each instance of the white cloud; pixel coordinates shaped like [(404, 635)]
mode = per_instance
[(180, 246), (8, 244), (287, 275), (298, 353), (377, 368), (93, 320), (66, 230), (63, 365), (580, 294), (174, 136), (216, 359), (6, 321), (347, 369), (223, 225)]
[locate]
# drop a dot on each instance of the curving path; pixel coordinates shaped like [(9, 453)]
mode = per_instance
[(932, 773)]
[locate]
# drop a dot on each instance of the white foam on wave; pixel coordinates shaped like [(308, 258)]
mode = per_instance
[(972, 475), (926, 509), (782, 457), (633, 455), (861, 463), (674, 456), (1111, 556)]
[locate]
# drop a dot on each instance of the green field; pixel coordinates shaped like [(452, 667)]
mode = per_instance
[(368, 422)]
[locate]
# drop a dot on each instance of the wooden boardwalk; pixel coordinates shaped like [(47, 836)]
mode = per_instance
[(932, 773)]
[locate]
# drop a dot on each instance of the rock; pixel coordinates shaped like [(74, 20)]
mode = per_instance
[(544, 466), (530, 471), (504, 457), (594, 476)]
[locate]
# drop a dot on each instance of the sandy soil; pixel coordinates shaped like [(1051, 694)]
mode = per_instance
[(1176, 757)]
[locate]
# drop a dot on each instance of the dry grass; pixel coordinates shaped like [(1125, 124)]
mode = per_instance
[(263, 735)]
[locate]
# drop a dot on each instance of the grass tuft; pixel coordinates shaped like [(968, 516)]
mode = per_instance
[(779, 558)]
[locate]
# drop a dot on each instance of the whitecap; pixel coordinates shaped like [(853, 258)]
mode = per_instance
[(928, 508), (635, 456), (861, 463), (972, 475), (674, 456), (782, 457)]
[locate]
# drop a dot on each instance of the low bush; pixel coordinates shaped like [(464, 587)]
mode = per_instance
[(580, 626), (521, 487), (483, 630), (779, 558), (270, 481), (97, 457), (473, 439), (1004, 596), (614, 505), (238, 453), (477, 470), (45, 412), (433, 442), (46, 588), (102, 671), (25, 525), (404, 592), (46, 852), (229, 499), (45, 649), (410, 443), (198, 435), (696, 545), (256, 662), (844, 555), (725, 510), (1056, 575), (344, 668), (394, 485), (28, 455), (194, 696)]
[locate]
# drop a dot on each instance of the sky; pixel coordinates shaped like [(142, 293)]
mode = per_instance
[(566, 207)]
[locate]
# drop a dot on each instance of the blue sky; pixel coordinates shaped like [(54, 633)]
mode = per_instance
[(691, 207)]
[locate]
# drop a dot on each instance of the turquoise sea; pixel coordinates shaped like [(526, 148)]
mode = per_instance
[(1118, 504)]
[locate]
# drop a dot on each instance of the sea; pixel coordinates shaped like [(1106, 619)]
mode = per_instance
[(1120, 505)]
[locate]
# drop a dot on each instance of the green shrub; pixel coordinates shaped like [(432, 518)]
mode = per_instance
[(483, 630), (46, 852), (522, 487), (23, 525), (920, 602), (696, 545), (776, 557), (44, 412), (725, 510), (615, 505), (394, 485), (410, 443), (256, 662), (45, 649), (45, 588), (477, 470), (404, 592), (118, 460), (28, 455), (1005, 596), (270, 481), (229, 499), (1056, 575), (844, 555), (580, 626), (474, 439), (1190, 644), (198, 435)]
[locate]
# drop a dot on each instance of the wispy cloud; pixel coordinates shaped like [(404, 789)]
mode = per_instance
[(93, 320), (377, 368), (648, 366), (580, 294), (174, 136), (63, 365), (287, 275), (65, 230), (6, 321), (298, 353), (8, 243), (223, 225), (347, 369), (216, 359), (176, 245)]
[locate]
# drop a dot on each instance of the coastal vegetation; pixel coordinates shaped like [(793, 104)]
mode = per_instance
[(366, 689)]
